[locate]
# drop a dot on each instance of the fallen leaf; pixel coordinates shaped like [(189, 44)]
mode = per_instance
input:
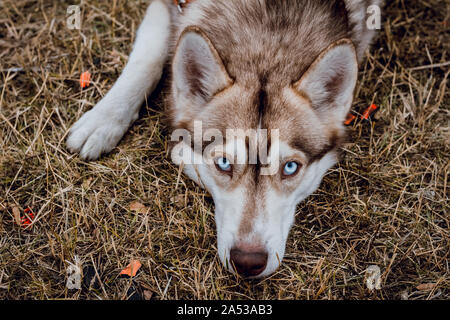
[(23, 220), (16, 214), (85, 79), (28, 218), (138, 207), (369, 112), (132, 268), (350, 119), (426, 286), (148, 294)]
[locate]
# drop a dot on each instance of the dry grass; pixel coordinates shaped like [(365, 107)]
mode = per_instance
[(385, 203)]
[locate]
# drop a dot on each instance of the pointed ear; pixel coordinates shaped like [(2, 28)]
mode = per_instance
[(197, 68), (330, 81)]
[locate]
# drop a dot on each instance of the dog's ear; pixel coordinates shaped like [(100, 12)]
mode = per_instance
[(330, 81), (198, 70)]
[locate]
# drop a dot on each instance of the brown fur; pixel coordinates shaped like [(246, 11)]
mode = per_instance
[(265, 47)]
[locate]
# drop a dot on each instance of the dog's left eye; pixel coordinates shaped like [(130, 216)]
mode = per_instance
[(290, 168), (223, 164)]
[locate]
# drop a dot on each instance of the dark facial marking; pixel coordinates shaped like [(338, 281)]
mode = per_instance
[(316, 153)]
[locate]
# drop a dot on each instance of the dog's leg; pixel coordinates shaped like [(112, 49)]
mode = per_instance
[(100, 130)]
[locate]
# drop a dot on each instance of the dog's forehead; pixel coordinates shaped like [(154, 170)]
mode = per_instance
[(300, 125), (270, 108), (234, 108)]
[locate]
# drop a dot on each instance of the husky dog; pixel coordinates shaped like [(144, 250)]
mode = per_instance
[(285, 65)]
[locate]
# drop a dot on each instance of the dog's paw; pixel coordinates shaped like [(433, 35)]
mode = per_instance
[(95, 133)]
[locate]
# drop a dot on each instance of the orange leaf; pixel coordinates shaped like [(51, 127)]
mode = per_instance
[(369, 112), (349, 119), (85, 79), (132, 268)]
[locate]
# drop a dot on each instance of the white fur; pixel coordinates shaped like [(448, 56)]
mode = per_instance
[(274, 218), (273, 224), (100, 129)]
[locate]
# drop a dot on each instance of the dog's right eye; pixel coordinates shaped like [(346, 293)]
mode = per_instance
[(224, 165)]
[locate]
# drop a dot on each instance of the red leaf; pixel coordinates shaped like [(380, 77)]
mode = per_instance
[(369, 112), (85, 79), (132, 268)]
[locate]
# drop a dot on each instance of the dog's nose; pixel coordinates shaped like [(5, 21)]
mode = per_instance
[(248, 264)]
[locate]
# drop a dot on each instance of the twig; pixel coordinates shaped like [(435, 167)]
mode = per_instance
[(431, 66)]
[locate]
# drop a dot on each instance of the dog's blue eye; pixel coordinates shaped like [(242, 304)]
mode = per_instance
[(290, 168), (224, 164)]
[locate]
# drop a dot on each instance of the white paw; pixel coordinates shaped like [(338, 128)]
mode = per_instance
[(97, 132)]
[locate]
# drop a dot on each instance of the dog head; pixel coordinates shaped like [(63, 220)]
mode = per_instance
[(259, 144)]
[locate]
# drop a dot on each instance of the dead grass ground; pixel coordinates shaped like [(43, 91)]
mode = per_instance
[(384, 204)]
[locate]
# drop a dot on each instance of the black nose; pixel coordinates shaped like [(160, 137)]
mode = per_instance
[(248, 264)]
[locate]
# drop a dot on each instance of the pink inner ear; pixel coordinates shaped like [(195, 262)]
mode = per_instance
[(334, 84), (331, 79), (194, 74), (197, 67)]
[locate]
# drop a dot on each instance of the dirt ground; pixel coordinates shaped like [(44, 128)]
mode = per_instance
[(384, 204)]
